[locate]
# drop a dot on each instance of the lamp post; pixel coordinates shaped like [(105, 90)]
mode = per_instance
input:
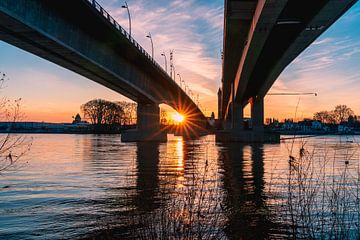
[(152, 45), (191, 94), (128, 11), (164, 55), (180, 78)]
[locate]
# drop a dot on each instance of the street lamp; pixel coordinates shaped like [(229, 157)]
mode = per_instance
[(180, 78), (191, 94), (152, 44), (127, 8), (164, 55)]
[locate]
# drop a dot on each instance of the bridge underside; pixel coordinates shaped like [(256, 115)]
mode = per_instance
[(260, 39), (82, 37)]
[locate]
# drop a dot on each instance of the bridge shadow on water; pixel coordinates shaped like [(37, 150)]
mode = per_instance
[(147, 177), (159, 169), (248, 214)]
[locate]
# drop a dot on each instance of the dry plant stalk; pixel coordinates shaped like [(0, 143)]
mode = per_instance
[(323, 194), (193, 211), (12, 146)]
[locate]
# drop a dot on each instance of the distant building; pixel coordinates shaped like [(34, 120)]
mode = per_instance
[(344, 128), (289, 126), (43, 127), (316, 125), (77, 119)]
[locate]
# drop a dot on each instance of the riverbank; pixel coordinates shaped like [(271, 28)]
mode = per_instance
[(60, 128), (315, 133)]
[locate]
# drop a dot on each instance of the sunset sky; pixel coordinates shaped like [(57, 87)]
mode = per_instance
[(193, 29)]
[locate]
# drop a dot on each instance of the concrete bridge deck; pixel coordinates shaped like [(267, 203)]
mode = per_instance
[(81, 36), (261, 38)]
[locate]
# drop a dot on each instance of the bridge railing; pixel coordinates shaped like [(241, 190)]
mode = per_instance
[(118, 27)]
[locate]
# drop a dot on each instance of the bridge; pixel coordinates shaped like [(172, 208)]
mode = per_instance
[(81, 36), (261, 37)]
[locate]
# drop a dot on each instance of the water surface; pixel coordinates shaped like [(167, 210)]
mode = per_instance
[(83, 186)]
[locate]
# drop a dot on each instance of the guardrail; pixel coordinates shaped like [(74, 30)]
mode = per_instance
[(117, 26)]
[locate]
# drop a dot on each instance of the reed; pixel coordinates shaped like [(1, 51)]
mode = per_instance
[(193, 210), (322, 197)]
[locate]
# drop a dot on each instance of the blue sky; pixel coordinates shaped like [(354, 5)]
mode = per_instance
[(330, 67), (193, 29)]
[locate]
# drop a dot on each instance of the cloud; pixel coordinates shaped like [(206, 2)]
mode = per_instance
[(322, 41), (329, 67), (325, 54), (193, 30)]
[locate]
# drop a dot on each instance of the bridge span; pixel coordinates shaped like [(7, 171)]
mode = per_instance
[(81, 36), (261, 37)]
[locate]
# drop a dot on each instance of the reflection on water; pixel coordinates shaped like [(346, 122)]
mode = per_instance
[(80, 186), (147, 179), (244, 183)]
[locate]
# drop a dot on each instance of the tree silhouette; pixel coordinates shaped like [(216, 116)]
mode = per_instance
[(325, 117), (342, 113), (102, 112), (129, 112)]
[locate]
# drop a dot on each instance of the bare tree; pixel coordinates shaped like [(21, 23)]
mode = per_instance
[(339, 114), (12, 147), (102, 112), (113, 114), (342, 113), (325, 117), (129, 112)]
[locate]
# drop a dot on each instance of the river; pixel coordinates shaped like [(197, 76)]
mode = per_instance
[(90, 186)]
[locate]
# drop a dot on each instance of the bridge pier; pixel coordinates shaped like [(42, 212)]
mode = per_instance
[(237, 118), (237, 132), (257, 114), (148, 125)]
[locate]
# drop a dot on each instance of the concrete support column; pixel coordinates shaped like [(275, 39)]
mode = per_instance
[(237, 133), (257, 114), (237, 117), (220, 103), (227, 124), (148, 117), (148, 125)]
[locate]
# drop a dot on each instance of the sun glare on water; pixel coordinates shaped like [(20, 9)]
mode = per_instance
[(178, 117)]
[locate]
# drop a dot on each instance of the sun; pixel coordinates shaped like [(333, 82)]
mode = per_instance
[(178, 118)]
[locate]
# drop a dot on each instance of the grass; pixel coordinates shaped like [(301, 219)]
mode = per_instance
[(193, 210), (322, 197)]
